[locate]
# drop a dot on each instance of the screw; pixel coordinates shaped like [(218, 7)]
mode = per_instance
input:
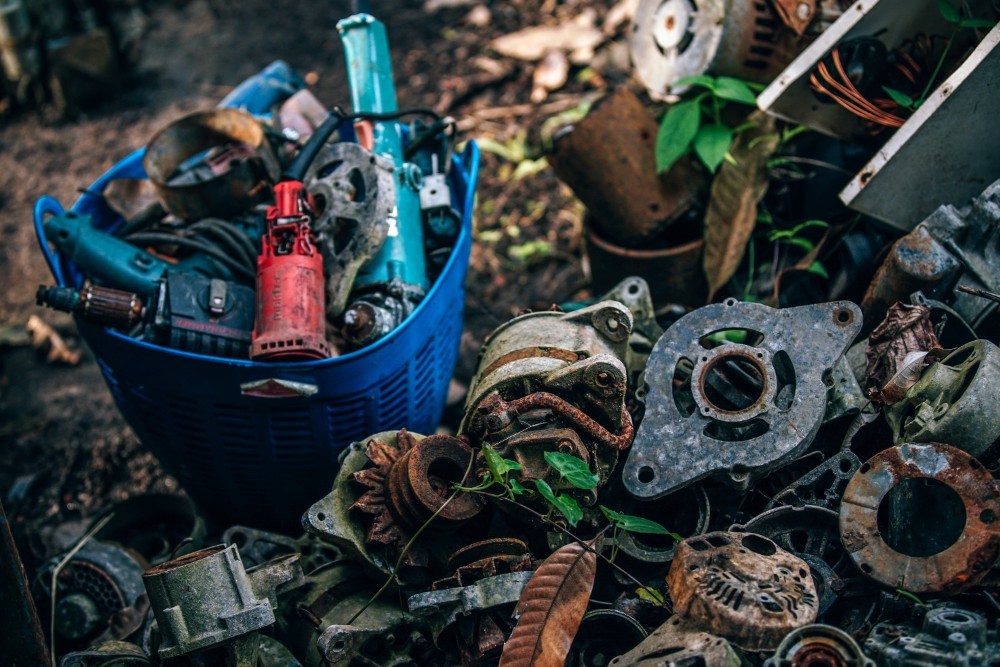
[(612, 324), (603, 379), (803, 11)]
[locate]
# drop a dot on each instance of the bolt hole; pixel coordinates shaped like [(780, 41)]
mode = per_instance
[(321, 517), (864, 468), (987, 516), (845, 465), (844, 316), (646, 475), (866, 568)]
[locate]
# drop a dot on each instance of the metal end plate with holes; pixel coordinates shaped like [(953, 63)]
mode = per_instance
[(743, 587), (947, 495), (686, 435), (950, 635), (820, 645), (355, 192), (682, 644)]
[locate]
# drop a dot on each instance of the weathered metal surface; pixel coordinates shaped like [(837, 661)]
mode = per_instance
[(409, 481), (906, 328), (674, 273), (206, 598), (354, 192), (608, 160), (949, 635), (810, 533), (818, 646), (823, 486), (954, 401), (743, 587), (690, 432), (953, 567), (555, 381), (950, 247), (238, 185), (21, 641), (677, 643)]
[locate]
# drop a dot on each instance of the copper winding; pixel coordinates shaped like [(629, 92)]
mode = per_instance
[(846, 95)]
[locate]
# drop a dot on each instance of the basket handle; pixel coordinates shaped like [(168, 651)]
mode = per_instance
[(44, 207), (278, 388)]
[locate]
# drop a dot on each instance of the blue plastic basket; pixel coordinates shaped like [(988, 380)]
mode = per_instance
[(263, 461)]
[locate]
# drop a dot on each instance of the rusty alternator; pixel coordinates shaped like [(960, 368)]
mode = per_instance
[(555, 381), (736, 408)]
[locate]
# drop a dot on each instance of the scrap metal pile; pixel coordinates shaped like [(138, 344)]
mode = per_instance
[(638, 478)]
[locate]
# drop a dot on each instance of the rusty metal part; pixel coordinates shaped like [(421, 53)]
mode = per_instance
[(409, 482), (555, 381), (699, 427), (238, 185), (608, 160), (672, 39), (822, 486), (950, 247), (603, 635), (949, 635), (906, 328), (677, 643), (742, 586), (954, 401), (818, 646), (674, 273), (354, 192), (796, 14), (22, 641), (486, 558), (812, 534), (957, 510), (498, 414)]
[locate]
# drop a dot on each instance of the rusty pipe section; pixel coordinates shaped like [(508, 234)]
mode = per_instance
[(500, 413)]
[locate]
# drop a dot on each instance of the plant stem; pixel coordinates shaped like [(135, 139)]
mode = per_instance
[(937, 68)]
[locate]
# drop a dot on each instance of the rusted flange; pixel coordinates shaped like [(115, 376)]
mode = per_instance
[(949, 571), (742, 586)]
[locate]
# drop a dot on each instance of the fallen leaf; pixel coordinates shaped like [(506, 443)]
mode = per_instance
[(549, 75), (44, 337), (732, 202), (910, 370), (621, 13), (551, 608), (579, 37), (129, 196)]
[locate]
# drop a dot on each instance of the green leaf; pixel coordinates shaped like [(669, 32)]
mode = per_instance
[(498, 466), (637, 524), (728, 88), (650, 595), (949, 13), (516, 488), (818, 268), (677, 130), (711, 144), (563, 503), (572, 469), (908, 594), (976, 23), (899, 97), (798, 242), (695, 80)]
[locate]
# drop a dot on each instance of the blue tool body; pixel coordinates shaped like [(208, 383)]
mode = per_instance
[(369, 70)]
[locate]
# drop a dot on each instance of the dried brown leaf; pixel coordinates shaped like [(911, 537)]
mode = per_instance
[(44, 337), (551, 608), (578, 36), (732, 201)]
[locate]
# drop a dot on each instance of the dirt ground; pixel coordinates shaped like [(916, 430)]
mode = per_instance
[(66, 451)]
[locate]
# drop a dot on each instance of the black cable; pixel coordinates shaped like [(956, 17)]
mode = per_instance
[(239, 240), (158, 238)]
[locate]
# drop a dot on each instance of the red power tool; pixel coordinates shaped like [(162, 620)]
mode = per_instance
[(291, 301)]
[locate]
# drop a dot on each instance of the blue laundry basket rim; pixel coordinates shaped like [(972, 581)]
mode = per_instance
[(61, 267)]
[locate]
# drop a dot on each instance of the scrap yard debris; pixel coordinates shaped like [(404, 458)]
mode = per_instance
[(764, 432)]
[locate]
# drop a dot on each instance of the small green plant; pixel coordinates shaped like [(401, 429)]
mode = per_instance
[(516, 151), (958, 23), (696, 124)]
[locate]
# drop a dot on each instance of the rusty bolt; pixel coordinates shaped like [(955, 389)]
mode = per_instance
[(612, 324), (603, 379)]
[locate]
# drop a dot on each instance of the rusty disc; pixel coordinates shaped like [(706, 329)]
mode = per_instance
[(949, 571)]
